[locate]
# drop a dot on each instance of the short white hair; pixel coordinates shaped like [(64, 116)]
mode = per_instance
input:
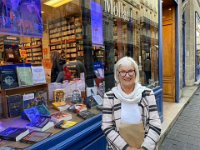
[(126, 61)]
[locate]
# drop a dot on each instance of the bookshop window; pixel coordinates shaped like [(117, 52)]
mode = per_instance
[(132, 30)]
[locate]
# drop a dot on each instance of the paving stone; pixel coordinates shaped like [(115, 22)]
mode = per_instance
[(185, 134)]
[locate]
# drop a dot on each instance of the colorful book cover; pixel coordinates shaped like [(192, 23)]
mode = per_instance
[(8, 78), (33, 112), (39, 122), (57, 117), (43, 110), (15, 105), (35, 136), (14, 134), (68, 124), (41, 97), (24, 75), (85, 114), (59, 95), (38, 74), (29, 103)]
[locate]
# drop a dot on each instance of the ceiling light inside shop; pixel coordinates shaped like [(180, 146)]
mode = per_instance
[(57, 3)]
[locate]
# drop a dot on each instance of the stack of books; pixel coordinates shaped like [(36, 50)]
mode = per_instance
[(13, 133), (40, 123)]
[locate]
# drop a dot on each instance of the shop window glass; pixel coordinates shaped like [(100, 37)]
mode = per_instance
[(132, 30)]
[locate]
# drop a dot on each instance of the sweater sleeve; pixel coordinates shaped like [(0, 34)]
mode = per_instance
[(109, 126), (154, 124)]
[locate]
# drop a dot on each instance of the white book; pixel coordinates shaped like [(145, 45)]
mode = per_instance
[(38, 74)]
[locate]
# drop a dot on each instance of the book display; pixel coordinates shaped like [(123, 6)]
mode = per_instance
[(33, 50)]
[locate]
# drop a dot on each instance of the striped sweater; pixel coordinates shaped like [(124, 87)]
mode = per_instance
[(111, 117)]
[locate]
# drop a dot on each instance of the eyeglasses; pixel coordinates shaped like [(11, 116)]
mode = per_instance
[(124, 73)]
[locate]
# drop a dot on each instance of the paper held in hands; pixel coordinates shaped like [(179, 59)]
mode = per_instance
[(133, 134)]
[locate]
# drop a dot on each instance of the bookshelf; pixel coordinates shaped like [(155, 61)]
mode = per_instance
[(66, 33), (19, 90), (34, 51)]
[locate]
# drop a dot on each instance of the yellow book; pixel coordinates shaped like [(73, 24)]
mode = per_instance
[(68, 124), (60, 106)]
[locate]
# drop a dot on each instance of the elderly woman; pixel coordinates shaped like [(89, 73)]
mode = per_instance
[(130, 111)]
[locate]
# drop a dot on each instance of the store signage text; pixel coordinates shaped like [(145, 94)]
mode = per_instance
[(118, 9)]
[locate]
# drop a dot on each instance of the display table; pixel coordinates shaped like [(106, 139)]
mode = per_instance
[(85, 131)]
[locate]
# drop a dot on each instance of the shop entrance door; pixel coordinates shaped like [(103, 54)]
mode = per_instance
[(169, 76)]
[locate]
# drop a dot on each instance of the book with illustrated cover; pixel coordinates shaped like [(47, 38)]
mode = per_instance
[(65, 124), (57, 117), (14, 134), (43, 110), (40, 110), (38, 74), (40, 123), (60, 106), (41, 97), (15, 105), (85, 114), (35, 136), (29, 103), (24, 75), (8, 78), (59, 95)]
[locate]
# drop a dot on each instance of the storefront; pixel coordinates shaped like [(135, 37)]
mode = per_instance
[(97, 33)]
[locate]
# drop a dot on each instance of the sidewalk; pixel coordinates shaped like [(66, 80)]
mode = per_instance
[(172, 111)]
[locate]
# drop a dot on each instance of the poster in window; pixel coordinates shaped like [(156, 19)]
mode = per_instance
[(21, 17), (96, 22)]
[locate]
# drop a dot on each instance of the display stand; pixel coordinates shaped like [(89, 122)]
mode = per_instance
[(19, 90)]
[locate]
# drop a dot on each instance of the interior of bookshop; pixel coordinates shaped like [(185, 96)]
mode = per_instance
[(57, 59)]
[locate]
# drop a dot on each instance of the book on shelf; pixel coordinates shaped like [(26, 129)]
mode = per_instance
[(35, 136), (15, 105), (13, 133), (64, 124), (57, 117), (38, 74), (8, 78), (28, 100), (40, 123), (24, 75)]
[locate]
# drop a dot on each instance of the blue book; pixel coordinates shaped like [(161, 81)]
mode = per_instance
[(40, 123), (15, 105), (14, 134), (8, 78), (33, 112)]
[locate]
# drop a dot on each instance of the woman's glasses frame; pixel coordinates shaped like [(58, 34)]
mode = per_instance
[(129, 72)]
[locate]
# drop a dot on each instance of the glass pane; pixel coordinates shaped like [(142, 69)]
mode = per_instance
[(132, 30)]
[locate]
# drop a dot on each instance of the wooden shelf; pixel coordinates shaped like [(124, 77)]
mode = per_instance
[(34, 48), (71, 29), (19, 90)]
